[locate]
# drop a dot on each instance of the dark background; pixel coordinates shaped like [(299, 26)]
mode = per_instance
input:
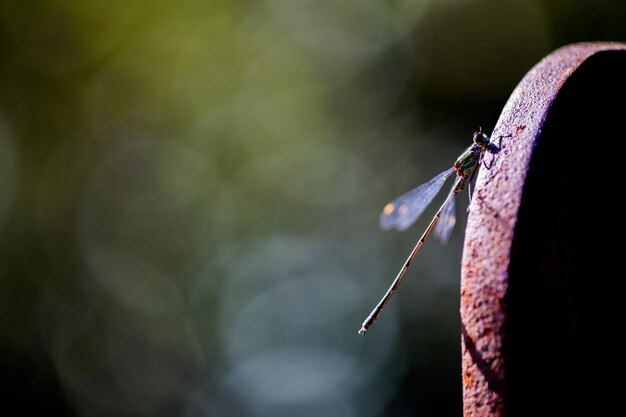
[(190, 190)]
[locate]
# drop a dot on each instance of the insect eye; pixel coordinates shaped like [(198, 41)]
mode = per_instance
[(480, 139)]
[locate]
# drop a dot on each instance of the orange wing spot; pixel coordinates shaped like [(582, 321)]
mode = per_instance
[(389, 208)]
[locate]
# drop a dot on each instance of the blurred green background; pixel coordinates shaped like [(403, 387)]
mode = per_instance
[(190, 191)]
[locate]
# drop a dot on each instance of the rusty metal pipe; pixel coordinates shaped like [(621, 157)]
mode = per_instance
[(531, 313)]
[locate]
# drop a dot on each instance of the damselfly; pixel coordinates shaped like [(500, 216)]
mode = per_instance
[(405, 210)]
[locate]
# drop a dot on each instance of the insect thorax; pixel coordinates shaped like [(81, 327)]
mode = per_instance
[(467, 161)]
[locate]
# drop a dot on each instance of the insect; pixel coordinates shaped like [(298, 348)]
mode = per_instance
[(405, 210)]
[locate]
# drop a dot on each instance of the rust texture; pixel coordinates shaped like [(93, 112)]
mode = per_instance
[(491, 232)]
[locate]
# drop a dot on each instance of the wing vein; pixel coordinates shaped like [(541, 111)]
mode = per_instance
[(406, 209)]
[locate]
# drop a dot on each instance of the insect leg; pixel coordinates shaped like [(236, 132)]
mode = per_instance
[(469, 187)]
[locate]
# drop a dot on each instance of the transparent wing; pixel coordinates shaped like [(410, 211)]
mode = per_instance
[(446, 222), (404, 210)]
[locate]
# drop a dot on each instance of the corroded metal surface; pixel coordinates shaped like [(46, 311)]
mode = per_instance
[(491, 225)]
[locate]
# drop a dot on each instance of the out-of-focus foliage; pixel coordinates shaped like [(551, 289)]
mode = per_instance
[(189, 194)]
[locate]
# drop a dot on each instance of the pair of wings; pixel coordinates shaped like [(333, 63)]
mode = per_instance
[(406, 209)]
